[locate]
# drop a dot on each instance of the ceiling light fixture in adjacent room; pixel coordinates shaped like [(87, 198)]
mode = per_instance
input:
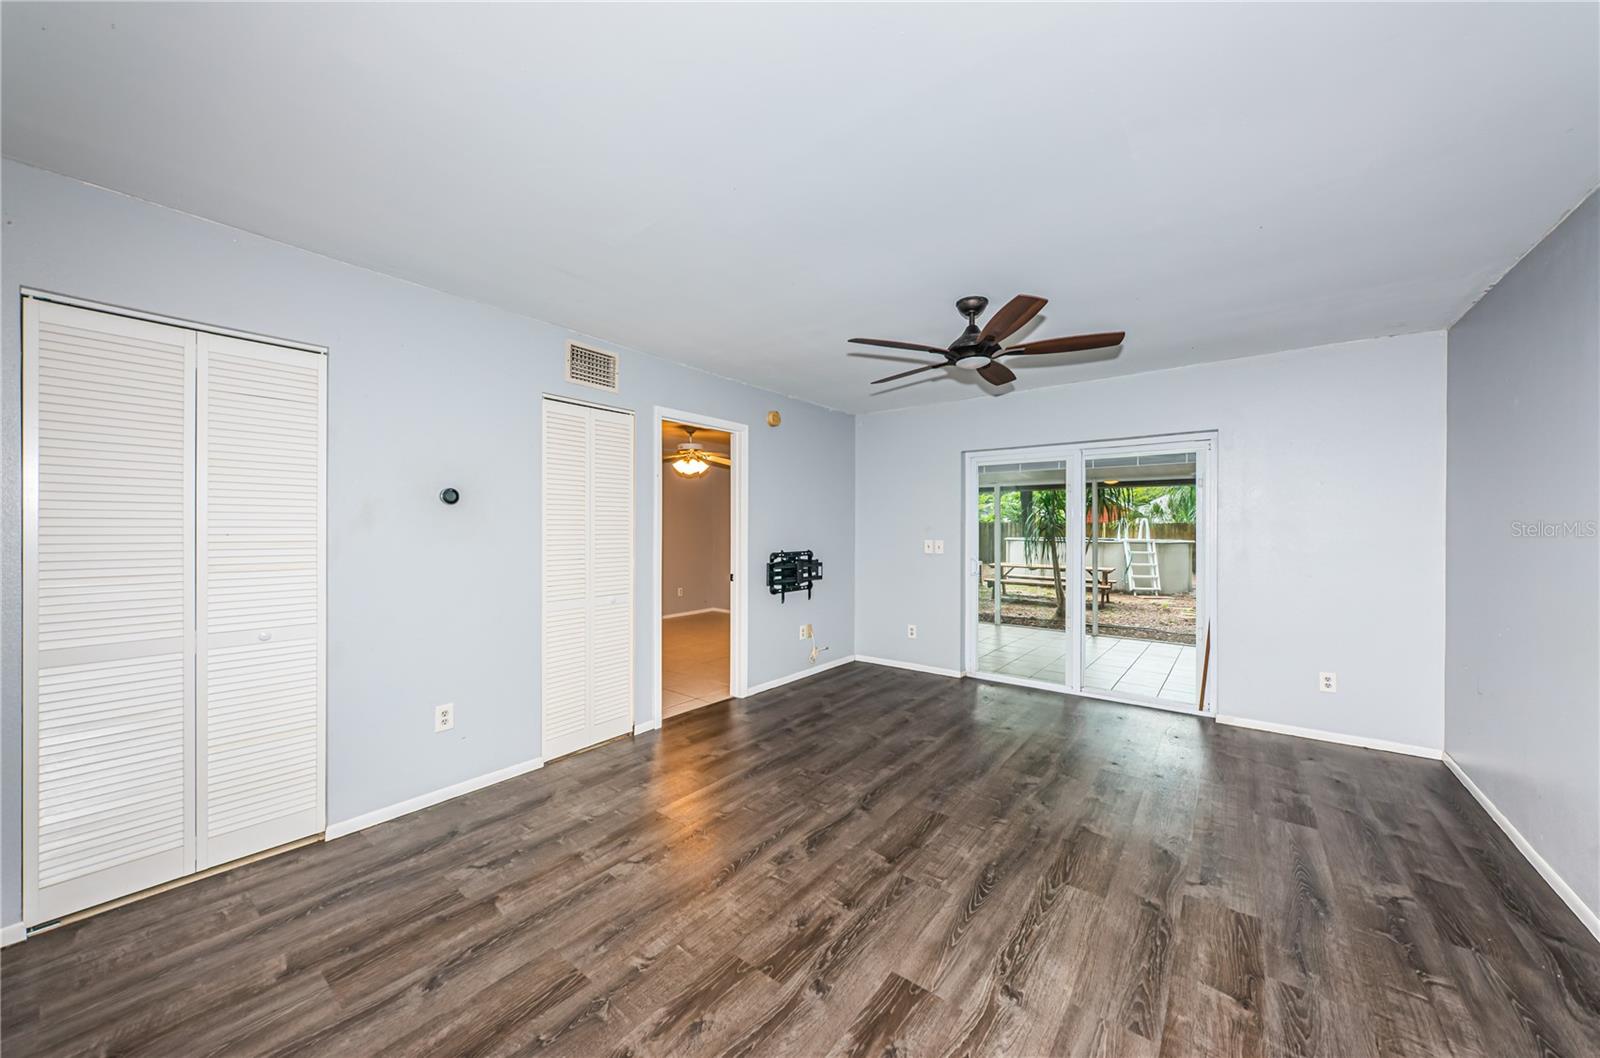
[(690, 466), (691, 460)]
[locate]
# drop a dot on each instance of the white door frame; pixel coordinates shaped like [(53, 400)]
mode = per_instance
[(1205, 445), (1065, 453), (738, 552)]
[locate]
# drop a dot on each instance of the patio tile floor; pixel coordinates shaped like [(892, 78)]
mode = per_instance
[(1111, 663)]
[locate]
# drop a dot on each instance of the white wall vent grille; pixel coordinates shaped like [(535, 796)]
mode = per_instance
[(591, 367)]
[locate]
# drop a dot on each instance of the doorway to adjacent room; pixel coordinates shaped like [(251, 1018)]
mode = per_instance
[(699, 531)]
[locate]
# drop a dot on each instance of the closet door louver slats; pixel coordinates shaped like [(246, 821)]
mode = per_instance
[(108, 584), (564, 654), (262, 551), (173, 602), (611, 575), (587, 612)]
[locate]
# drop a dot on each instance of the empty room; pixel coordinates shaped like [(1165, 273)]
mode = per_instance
[(805, 530)]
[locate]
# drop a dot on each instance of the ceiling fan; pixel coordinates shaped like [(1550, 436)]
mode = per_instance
[(980, 348), (690, 460)]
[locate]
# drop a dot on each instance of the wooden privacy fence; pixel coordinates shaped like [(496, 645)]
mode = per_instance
[(1013, 530)]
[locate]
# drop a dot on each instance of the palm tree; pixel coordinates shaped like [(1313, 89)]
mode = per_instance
[(1043, 529)]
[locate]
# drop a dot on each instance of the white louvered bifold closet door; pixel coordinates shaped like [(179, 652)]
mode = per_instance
[(108, 606), (587, 614), (261, 443)]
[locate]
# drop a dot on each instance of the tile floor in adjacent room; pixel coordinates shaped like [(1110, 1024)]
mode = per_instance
[(1111, 663), (694, 661)]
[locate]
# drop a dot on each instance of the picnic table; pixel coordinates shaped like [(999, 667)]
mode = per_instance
[(1042, 575)]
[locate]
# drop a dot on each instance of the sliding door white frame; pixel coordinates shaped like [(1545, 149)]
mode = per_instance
[(1204, 444), (1205, 449), (738, 552), (1068, 456)]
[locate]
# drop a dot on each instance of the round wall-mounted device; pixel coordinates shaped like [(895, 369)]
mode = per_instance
[(449, 496)]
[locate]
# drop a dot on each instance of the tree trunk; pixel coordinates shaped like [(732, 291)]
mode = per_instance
[(1055, 567)]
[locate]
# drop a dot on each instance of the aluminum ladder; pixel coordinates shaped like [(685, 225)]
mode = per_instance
[(1142, 564)]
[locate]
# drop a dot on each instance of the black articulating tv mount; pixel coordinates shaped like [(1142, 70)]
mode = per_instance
[(790, 571)]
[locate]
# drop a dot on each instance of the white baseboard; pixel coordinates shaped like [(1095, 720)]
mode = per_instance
[(1330, 736), (641, 726), (1585, 914), (691, 613), (912, 665), (11, 933), (416, 804), (802, 674)]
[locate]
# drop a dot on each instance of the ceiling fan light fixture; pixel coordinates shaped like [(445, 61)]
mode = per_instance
[(972, 361), (690, 466)]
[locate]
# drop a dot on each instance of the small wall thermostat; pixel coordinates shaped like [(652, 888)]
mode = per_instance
[(449, 496)]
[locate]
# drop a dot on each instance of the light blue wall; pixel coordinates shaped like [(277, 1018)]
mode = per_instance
[(1522, 681), (1323, 456), (427, 604)]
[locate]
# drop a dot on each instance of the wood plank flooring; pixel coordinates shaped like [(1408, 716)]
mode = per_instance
[(869, 862)]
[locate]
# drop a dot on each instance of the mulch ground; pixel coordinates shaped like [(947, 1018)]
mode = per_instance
[(1166, 618)]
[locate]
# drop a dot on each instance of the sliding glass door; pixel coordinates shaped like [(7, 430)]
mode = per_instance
[(1146, 563), (1089, 569), (1020, 566)]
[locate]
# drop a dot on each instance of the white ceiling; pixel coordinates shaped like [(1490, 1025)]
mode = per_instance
[(742, 188)]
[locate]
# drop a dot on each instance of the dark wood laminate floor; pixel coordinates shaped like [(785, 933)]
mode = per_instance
[(868, 862)]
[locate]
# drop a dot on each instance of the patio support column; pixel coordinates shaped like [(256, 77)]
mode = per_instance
[(1094, 557), (999, 555)]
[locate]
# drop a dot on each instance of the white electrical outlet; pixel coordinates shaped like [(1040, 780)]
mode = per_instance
[(911, 631), (927, 547), (444, 716), (805, 631), (938, 547), (680, 593), (1327, 682)]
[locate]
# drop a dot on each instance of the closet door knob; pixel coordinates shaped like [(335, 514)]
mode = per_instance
[(263, 636)]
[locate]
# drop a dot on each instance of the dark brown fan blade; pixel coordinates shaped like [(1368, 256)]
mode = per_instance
[(996, 373), (903, 374), (1009, 320), (1075, 344), (887, 344)]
